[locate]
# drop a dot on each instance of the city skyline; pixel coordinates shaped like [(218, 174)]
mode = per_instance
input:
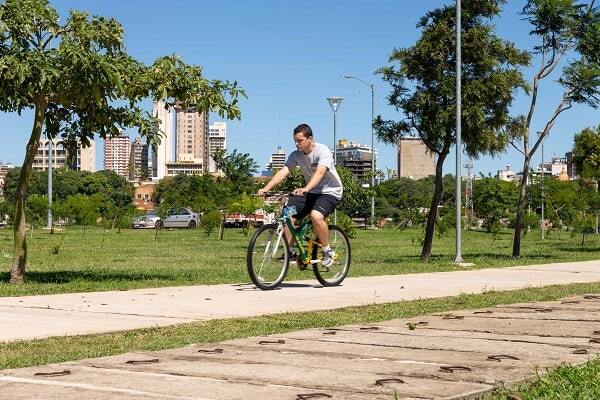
[(288, 71)]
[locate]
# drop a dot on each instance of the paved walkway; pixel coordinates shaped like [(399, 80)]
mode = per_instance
[(83, 313)]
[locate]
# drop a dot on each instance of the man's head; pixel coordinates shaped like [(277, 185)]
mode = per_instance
[(303, 137)]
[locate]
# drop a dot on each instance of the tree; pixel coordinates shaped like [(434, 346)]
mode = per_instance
[(80, 82), (237, 167), (423, 89), (493, 199), (563, 28), (586, 153)]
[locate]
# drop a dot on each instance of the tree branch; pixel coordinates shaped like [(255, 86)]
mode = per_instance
[(515, 146)]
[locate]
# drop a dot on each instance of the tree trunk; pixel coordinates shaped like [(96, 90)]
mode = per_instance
[(435, 201), (521, 208), (221, 228), (17, 271)]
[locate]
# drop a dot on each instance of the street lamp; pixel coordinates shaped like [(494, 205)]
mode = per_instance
[(458, 251), (334, 103), (49, 182), (372, 86), (543, 195)]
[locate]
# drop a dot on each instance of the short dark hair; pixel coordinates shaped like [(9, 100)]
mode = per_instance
[(305, 130)]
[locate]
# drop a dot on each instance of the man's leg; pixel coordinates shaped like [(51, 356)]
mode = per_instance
[(321, 227)]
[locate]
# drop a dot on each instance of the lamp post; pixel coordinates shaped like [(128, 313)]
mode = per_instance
[(50, 149), (372, 87), (543, 226), (334, 103), (458, 251)]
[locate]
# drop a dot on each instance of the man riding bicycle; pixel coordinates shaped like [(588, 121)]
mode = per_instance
[(322, 192)]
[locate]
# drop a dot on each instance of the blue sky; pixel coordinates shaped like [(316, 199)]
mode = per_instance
[(290, 56)]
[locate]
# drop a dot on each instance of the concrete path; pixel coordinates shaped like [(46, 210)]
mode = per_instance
[(447, 356), (83, 313)]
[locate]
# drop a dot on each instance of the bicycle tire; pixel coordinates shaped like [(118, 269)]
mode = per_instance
[(271, 271), (340, 244)]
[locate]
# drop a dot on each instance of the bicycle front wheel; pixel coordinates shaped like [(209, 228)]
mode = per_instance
[(335, 273), (268, 257)]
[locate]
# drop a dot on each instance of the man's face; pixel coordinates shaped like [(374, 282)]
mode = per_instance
[(303, 143)]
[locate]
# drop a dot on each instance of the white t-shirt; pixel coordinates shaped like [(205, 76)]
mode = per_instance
[(321, 155)]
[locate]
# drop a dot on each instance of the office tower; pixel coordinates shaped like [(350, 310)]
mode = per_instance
[(277, 161), (117, 151), (83, 160), (138, 161), (414, 160), (162, 153), (191, 139), (217, 140), (356, 157)]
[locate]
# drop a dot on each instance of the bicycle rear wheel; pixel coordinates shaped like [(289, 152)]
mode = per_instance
[(268, 257), (336, 273)]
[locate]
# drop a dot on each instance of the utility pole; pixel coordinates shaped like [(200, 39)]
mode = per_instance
[(458, 245), (469, 193)]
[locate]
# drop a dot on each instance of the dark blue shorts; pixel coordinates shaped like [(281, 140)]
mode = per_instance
[(323, 203)]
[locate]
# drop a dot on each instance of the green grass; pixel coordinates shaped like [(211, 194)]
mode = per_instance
[(99, 260), (60, 349)]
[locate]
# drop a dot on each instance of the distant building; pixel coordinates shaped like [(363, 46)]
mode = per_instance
[(555, 167), (162, 153), (414, 160), (355, 157), (507, 175), (138, 161), (276, 162), (184, 167), (117, 152), (4, 168), (192, 137), (84, 160), (142, 195), (217, 140)]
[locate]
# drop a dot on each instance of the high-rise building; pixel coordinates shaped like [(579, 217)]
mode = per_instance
[(276, 162), (356, 157), (84, 160), (192, 137), (162, 153), (117, 151), (138, 161), (217, 140), (414, 159)]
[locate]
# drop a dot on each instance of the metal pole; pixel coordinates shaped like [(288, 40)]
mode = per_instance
[(373, 171), (543, 200), (458, 258), (50, 150), (334, 159)]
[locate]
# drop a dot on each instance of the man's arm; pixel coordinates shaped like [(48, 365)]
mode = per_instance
[(314, 181), (275, 180)]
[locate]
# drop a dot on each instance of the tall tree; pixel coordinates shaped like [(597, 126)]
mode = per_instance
[(423, 79), (564, 28), (80, 82), (237, 167), (586, 153)]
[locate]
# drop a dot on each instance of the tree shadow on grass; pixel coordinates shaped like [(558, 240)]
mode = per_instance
[(508, 256), (63, 277)]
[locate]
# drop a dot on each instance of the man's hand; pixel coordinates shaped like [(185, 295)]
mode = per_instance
[(262, 192), (299, 192)]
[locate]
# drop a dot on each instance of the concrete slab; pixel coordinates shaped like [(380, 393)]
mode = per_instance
[(443, 358), (80, 313)]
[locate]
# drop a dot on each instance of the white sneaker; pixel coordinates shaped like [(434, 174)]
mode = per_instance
[(327, 260)]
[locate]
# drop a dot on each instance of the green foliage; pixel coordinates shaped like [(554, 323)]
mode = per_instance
[(494, 199), (586, 153), (247, 205), (294, 180), (237, 167), (210, 221), (344, 222), (37, 209), (356, 200), (201, 193)]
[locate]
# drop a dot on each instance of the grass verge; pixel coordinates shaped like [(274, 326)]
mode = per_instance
[(60, 349)]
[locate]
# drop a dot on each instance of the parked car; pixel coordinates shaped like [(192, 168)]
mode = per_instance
[(176, 218)]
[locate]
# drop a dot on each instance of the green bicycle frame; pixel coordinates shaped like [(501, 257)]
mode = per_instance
[(303, 243)]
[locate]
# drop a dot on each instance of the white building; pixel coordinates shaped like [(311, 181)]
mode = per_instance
[(507, 175), (85, 160), (117, 152), (191, 136), (163, 153), (217, 140), (276, 161)]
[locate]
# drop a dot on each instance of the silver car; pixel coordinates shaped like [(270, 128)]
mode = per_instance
[(176, 218)]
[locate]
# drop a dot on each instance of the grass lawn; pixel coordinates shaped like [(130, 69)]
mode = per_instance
[(95, 259)]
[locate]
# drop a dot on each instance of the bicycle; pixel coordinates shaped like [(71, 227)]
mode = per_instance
[(268, 254)]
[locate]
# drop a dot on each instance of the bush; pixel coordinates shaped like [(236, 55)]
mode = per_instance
[(344, 222), (210, 221)]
